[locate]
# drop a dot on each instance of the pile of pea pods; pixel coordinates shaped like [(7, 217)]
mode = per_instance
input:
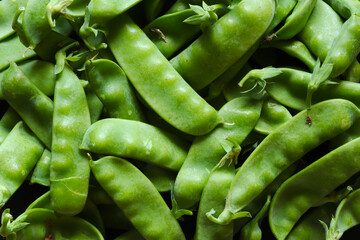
[(182, 119)]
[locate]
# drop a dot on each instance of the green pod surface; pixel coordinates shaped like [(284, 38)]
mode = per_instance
[(153, 8), (162, 178), (157, 81), (69, 169), (222, 44), (135, 140), (113, 89), (345, 7), (283, 9), (206, 151), (94, 103), (33, 106), (306, 188), (283, 147), (18, 153), (130, 235), (145, 208), (8, 9), (7, 122), (353, 72), (41, 173)]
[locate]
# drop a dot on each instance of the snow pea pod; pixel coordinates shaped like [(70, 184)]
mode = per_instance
[(70, 121), (304, 189), (208, 56), (345, 7), (7, 123), (112, 87), (18, 153), (33, 106), (282, 148), (41, 173), (135, 140), (241, 113), (144, 207), (157, 81), (8, 9), (283, 9)]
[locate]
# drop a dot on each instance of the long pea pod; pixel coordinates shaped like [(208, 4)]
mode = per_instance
[(345, 7), (310, 185), (41, 173), (70, 121), (7, 123), (32, 105), (282, 148), (157, 81), (208, 57), (135, 140), (112, 87), (144, 207), (18, 153), (240, 113)]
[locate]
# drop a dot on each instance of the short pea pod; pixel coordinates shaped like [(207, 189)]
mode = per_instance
[(18, 153), (41, 173), (7, 10), (33, 106), (282, 148), (70, 121), (112, 87), (135, 140), (307, 187), (157, 81), (242, 115), (7, 122), (144, 207), (345, 7), (208, 56)]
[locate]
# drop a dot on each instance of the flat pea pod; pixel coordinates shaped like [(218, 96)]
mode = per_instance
[(41, 173), (297, 20), (11, 49), (135, 140), (18, 153), (70, 121), (113, 89), (33, 106), (282, 148), (208, 56), (144, 207), (345, 7), (7, 10), (157, 81), (241, 113), (321, 29), (7, 123), (304, 189)]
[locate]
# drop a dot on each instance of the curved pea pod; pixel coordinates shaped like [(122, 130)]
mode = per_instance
[(7, 123), (70, 121), (113, 89), (322, 28), (39, 223), (33, 106), (135, 140), (157, 81), (11, 49), (282, 148), (310, 185), (7, 10), (345, 7), (208, 57), (18, 153), (242, 115), (145, 208), (282, 10), (41, 173)]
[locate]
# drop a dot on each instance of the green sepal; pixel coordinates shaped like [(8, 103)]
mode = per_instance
[(60, 57), (175, 210), (8, 228), (260, 76), (56, 7), (226, 216), (232, 149), (17, 25)]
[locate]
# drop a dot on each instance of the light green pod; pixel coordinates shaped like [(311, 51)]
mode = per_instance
[(7, 122), (41, 173)]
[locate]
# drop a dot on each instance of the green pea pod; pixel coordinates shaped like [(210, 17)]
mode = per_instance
[(193, 116), (135, 140), (153, 8), (18, 153), (41, 202), (97, 194), (33, 106), (352, 74), (7, 123), (144, 207), (283, 9), (241, 114), (8, 9), (295, 49), (71, 119), (282, 148), (307, 187), (345, 7), (161, 178), (41, 173), (113, 89), (12, 50), (94, 103), (297, 20), (77, 8), (92, 214), (208, 57)]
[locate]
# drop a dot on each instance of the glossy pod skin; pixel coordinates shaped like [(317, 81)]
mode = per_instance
[(283, 9), (7, 122), (144, 207), (307, 187), (135, 140), (69, 169), (112, 87), (202, 158), (345, 7), (157, 81), (208, 57), (41, 173), (282, 148), (18, 153)]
